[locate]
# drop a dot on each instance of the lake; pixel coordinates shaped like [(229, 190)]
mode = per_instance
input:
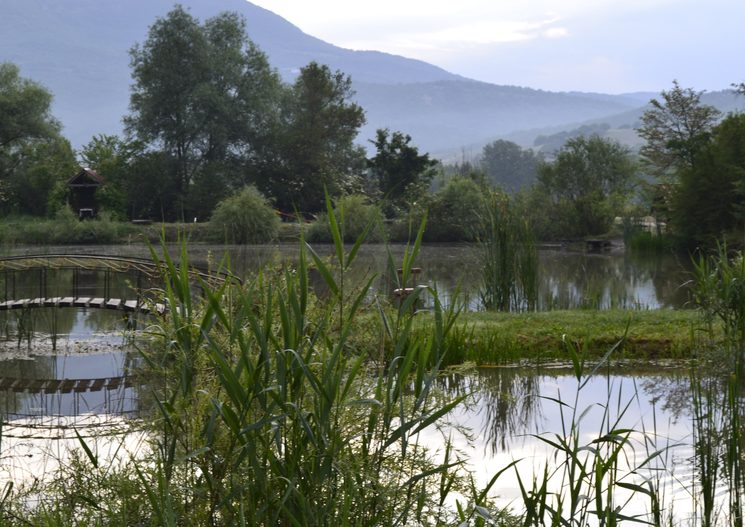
[(567, 279), (509, 409)]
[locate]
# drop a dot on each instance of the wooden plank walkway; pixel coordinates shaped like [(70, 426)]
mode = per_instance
[(68, 301), (17, 385)]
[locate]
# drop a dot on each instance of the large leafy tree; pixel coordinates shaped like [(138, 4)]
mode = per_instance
[(676, 128), (508, 165), (33, 157), (400, 174), (589, 182), (205, 96), (317, 152), (709, 200)]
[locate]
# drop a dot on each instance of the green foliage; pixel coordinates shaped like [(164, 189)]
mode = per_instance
[(33, 158), (509, 258), (675, 129), (264, 417), (24, 109), (509, 166), (205, 97), (43, 167), (63, 229), (708, 199), (317, 150), (246, 217), (589, 183), (455, 212), (355, 216), (400, 175), (114, 158), (719, 291)]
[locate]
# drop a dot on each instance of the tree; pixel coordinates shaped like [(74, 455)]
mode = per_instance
[(24, 109), (113, 158), (508, 165), (455, 212), (25, 120), (709, 200), (400, 174), (675, 129), (204, 95), (590, 182), (317, 152), (38, 183)]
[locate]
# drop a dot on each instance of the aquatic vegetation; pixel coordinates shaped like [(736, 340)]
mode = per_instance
[(509, 259)]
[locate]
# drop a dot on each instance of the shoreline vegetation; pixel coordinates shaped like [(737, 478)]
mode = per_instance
[(263, 394), (495, 338), (483, 338)]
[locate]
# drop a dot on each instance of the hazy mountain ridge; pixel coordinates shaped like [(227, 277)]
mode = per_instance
[(79, 50)]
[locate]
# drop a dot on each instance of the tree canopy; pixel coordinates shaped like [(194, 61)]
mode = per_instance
[(675, 129), (709, 200), (398, 172), (508, 165), (33, 157), (205, 96), (317, 151), (591, 180)]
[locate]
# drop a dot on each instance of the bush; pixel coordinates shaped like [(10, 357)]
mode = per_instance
[(357, 215), (455, 212), (246, 217)]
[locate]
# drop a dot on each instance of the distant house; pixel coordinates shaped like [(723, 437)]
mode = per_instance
[(82, 196)]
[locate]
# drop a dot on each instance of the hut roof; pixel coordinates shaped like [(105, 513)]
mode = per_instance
[(86, 178)]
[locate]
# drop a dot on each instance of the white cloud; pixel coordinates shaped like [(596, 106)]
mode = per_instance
[(556, 32), (541, 43)]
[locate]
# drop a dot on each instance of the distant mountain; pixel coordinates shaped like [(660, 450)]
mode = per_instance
[(79, 50), (620, 127)]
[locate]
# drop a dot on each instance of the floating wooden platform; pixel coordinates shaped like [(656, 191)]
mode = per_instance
[(121, 304), (11, 384)]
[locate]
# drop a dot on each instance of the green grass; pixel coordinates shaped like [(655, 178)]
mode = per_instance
[(498, 338)]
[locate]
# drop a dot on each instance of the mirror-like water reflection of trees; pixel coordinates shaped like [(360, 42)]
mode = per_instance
[(514, 401), (570, 279)]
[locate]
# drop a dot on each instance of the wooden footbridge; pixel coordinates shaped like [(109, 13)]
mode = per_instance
[(44, 398), (95, 281)]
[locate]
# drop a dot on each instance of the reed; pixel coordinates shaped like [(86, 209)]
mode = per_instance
[(509, 259), (592, 483), (265, 415)]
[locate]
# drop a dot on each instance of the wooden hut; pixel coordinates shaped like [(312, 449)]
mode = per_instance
[(82, 196)]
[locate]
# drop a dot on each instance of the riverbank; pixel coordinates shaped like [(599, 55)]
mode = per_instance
[(648, 335), (40, 231)]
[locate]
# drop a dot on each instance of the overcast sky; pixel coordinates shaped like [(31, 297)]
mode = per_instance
[(610, 46)]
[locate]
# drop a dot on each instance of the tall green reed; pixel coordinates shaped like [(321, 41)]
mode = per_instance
[(509, 258), (719, 292), (266, 416), (592, 482)]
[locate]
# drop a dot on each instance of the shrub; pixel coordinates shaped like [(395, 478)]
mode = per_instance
[(246, 217), (454, 213), (354, 214)]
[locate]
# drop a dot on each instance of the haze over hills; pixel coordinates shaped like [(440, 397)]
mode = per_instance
[(79, 50)]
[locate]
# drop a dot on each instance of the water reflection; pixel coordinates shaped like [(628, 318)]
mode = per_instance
[(509, 404), (515, 412), (569, 279), (72, 385), (67, 361)]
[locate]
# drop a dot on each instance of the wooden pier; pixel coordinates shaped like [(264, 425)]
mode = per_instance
[(120, 304)]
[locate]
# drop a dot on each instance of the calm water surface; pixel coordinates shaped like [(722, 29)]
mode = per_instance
[(568, 279), (508, 406)]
